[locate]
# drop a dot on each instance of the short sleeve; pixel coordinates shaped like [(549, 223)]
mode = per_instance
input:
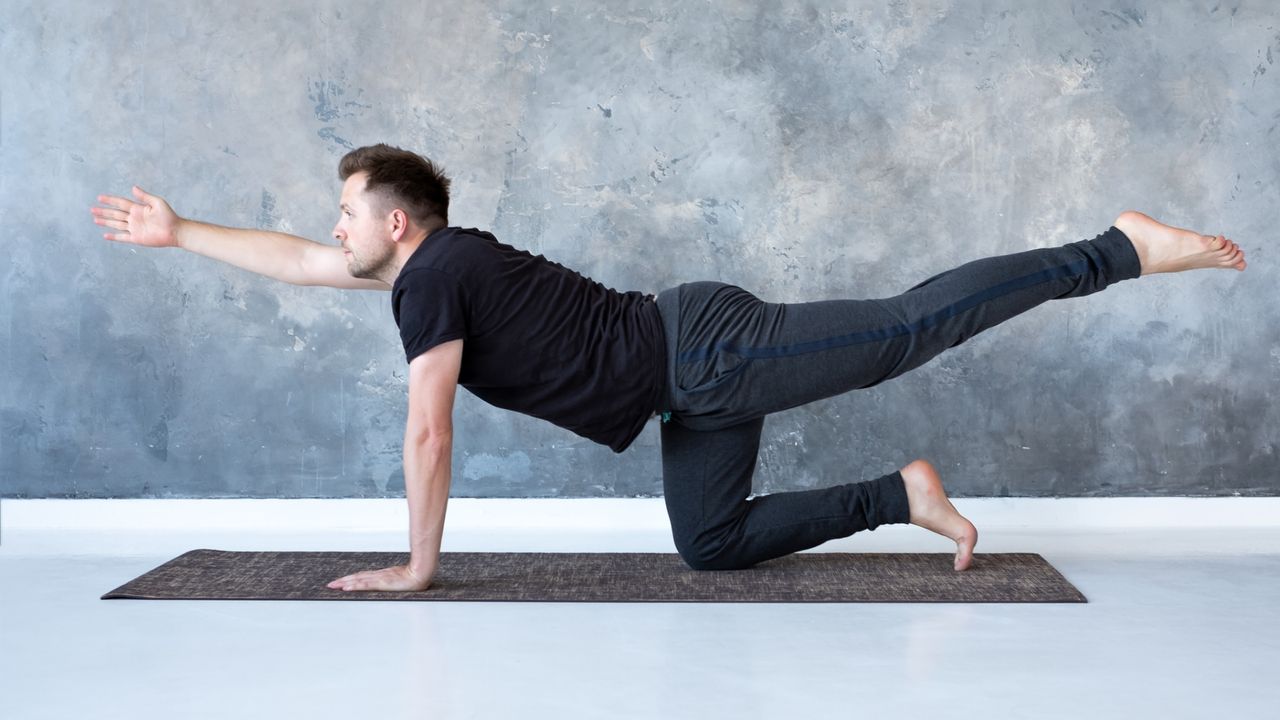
[(431, 309)]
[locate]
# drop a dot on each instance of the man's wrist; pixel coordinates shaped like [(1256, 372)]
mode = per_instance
[(422, 569), (179, 231)]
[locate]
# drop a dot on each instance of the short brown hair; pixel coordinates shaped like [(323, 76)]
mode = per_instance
[(400, 178)]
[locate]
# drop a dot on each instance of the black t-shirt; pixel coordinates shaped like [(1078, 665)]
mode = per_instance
[(538, 338)]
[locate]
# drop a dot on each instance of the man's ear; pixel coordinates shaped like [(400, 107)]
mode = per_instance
[(399, 223)]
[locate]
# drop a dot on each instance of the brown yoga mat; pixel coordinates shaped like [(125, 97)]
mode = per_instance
[(610, 577)]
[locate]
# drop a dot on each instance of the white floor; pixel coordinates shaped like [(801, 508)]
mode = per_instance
[(1179, 624)]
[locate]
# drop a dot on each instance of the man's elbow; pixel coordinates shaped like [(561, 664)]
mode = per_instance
[(430, 437)]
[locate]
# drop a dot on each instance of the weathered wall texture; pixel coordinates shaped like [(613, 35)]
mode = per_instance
[(804, 151)]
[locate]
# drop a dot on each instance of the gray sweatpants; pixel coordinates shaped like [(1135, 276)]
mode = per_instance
[(733, 358)]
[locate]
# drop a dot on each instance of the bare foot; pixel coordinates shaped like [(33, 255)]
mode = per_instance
[(931, 510), (1167, 249)]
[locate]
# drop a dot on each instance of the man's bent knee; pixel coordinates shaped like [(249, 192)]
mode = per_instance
[(706, 557)]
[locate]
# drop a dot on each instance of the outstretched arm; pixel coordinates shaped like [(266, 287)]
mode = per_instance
[(150, 222)]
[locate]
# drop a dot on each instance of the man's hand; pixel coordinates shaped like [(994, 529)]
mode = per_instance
[(149, 221), (392, 578)]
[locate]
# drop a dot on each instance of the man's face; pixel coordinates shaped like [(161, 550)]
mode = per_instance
[(364, 234)]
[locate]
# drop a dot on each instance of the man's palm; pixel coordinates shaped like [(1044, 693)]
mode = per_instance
[(147, 221)]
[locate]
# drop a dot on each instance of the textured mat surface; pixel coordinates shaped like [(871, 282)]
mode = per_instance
[(610, 577)]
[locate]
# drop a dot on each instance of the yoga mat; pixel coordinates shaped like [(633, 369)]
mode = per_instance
[(206, 574)]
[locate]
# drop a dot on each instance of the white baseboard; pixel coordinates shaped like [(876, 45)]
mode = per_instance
[(1180, 527), (587, 514)]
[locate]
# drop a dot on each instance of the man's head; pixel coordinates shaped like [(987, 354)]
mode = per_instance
[(390, 198)]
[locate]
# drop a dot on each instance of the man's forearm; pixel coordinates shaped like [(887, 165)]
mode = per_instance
[(427, 471), (274, 254)]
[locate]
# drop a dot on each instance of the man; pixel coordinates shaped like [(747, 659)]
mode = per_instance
[(711, 358)]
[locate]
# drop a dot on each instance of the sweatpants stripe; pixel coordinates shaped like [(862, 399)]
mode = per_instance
[(1071, 270)]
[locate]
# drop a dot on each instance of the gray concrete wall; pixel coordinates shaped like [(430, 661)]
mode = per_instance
[(804, 151)]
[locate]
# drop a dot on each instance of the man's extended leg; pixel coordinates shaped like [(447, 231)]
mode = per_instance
[(740, 358), (749, 358)]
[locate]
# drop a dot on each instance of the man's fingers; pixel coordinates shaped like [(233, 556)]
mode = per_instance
[(114, 201), (117, 224), (357, 583), (352, 576), (366, 580), (110, 213)]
